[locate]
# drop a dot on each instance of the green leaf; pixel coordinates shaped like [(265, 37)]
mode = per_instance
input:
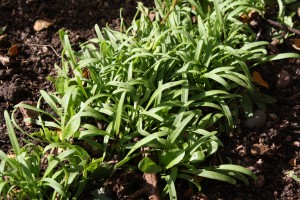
[(118, 115), (50, 101), (147, 165), (190, 179), (11, 133), (247, 105), (211, 146), (180, 127), (171, 183), (162, 88), (172, 158), (72, 126), (211, 175), (237, 168), (55, 185), (141, 143), (197, 157)]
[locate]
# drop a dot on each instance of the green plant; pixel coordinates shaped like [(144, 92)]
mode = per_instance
[(168, 86), (33, 172)]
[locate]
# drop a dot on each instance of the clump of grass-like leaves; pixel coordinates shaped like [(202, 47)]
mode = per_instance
[(167, 85)]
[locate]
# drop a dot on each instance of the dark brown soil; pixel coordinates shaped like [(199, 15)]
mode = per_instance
[(272, 151)]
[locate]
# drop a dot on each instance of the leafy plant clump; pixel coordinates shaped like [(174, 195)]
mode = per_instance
[(155, 95)]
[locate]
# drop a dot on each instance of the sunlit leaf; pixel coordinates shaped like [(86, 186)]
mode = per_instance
[(172, 158), (147, 165)]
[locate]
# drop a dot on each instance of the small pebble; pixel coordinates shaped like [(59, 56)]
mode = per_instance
[(296, 144), (45, 49), (258, 120), (273, 116), (283, 79)]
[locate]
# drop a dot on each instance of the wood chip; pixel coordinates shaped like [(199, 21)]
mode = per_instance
[(41, 24), (4, 60)]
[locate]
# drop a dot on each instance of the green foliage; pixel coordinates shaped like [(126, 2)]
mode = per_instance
[(165, 87), (40, 173)]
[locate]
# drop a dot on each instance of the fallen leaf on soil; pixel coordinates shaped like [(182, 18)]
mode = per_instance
[(4, 60), (296, 44), (28, 113), (41, 24), (261, 149), (259, 80), (13, 50)]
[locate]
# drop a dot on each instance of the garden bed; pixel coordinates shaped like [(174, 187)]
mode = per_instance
[(271, 151)]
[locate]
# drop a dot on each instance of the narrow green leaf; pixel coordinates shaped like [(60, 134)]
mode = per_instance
[(118, 115), (11, 133), (172, 158), (55, 185), (162, 88), (175, 134), (237, 168), (144, 141), (50, 101), (190, 179), (171, 184), (211, 175)]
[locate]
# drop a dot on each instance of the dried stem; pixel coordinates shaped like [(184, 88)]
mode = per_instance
[(282, 26)]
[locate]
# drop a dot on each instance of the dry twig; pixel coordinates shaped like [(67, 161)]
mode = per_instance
[(282, 26), (45, 45)]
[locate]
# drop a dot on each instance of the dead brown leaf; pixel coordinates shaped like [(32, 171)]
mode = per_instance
[(13, 50), (261, 149), (296, 44), (259, 80)]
